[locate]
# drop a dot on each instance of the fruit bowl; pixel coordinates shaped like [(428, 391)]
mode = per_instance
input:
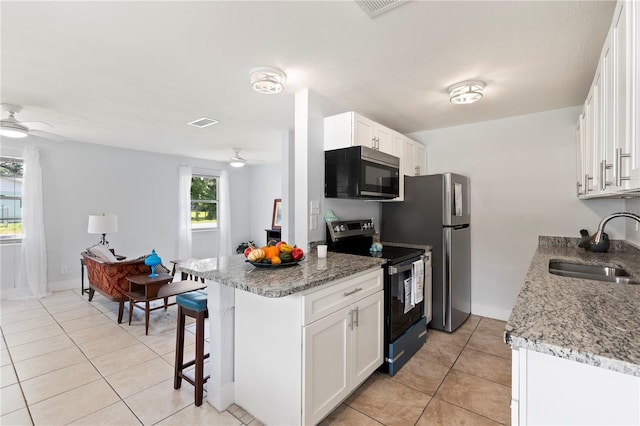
[(269, 265)]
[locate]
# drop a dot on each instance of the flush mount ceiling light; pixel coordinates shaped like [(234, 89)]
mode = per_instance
[(466, 92), (268, 80), (236, 160)]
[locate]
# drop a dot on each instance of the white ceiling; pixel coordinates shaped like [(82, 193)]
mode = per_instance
[(132, 74)]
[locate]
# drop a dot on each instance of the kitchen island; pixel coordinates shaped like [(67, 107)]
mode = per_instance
[(273, 327), (576, 342)]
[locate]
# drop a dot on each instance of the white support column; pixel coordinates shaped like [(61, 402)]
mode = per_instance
[(221, 305), (301, 155)]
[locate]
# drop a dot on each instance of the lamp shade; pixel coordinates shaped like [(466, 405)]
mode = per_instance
[(102, 223)]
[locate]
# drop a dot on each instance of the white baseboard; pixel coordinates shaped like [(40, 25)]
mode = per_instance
[(490, 311), (65, 285)]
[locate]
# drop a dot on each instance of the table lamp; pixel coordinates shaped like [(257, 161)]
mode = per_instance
[(102, 224)]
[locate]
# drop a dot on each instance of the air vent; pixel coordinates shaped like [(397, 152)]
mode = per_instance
[(376, 8), (203, 122)]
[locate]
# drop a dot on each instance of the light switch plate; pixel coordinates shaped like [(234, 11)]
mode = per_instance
[(313, 221), (315, 207)]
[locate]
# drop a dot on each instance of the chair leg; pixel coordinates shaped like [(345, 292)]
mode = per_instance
[(120, 310), (146, 317), (199, 373), (130, 309), (177, 374), (91, 293), (166, 301)]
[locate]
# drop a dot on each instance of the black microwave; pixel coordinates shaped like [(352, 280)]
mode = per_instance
[(361, 172)]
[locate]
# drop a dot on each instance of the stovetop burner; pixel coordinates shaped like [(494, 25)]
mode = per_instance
[(356, 237)]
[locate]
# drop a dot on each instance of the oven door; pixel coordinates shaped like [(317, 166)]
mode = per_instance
[(378, 180), (401, 314)]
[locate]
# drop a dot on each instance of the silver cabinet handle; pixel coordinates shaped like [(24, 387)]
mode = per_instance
[(357, 312), (578, 186), (349, 293), (585, 185), (617, 167), (603, 174)]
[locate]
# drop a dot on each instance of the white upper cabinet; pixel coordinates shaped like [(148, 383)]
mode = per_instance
[(351, 129), (608, 146)]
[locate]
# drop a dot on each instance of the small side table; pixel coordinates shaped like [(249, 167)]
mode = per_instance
[(142, 288)]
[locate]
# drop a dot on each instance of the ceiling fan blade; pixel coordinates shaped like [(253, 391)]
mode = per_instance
[(38, 122), (47, 135)]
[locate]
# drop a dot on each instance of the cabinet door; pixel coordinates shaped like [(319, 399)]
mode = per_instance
[(384, 140), (633, 91), (580, 156), (607, 112), (398, 151), (367, 337), (363, 133), (420, 154), (326, 367), (589, 144)]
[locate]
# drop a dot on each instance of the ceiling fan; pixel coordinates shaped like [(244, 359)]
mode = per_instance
[(236, 160), (12, 128)]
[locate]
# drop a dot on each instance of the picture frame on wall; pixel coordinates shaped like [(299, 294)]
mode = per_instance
[(276, 219)]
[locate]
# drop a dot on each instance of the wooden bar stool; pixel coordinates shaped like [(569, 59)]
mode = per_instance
[(193, 304)]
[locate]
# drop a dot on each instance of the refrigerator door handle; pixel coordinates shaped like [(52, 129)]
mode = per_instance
[(446, 293)]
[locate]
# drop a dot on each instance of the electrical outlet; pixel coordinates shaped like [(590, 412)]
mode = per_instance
[(313, 222), (315, 207), (64, 270)]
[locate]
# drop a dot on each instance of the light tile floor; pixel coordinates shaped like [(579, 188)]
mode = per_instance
[(65, 360)]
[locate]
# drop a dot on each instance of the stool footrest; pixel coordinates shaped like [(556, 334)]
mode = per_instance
[(193, 361), (191, 380)]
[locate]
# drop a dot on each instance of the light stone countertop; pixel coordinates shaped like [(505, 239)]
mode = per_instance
[(278, 281), (593, 322)]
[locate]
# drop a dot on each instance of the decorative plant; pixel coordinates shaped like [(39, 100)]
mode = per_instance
[(243, 246)]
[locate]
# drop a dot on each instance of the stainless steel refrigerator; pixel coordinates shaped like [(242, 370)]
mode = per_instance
[(435, 211)]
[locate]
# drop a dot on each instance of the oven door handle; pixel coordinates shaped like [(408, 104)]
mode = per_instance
[(393, 270)]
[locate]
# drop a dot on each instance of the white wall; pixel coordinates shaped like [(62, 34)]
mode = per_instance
[(265, 187), (522, 172), (140, 187), (633, 228)]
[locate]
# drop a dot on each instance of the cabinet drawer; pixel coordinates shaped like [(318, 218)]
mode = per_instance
[(320, 302)]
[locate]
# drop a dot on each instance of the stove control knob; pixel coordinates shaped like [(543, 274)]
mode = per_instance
[(337, 228), (342, 228)]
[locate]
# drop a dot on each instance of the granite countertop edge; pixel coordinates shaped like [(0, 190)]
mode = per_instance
[(281, 281), (604, 323)]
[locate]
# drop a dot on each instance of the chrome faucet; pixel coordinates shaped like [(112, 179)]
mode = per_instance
[(597, 240)]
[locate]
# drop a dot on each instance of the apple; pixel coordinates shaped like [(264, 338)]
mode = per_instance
[(247, 251)]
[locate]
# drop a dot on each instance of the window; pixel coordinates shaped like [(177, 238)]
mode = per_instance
[(204, 202), (10, 199)]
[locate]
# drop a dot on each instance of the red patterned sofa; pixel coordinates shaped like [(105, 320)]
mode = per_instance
[(109, 278)]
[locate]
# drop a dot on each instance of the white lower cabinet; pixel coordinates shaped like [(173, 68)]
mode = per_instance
[(341, 351), (298, 357), (555, 391)]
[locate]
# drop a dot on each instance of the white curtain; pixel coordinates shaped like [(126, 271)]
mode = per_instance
[(32, 273), (224, 215), (184, 212)]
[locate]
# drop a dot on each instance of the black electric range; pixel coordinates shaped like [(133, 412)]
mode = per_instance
[(405, 326)]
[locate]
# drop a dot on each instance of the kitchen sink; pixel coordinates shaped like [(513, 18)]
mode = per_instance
[(590, 272)]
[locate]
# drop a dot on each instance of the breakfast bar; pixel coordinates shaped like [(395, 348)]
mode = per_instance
[(243, 298)]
